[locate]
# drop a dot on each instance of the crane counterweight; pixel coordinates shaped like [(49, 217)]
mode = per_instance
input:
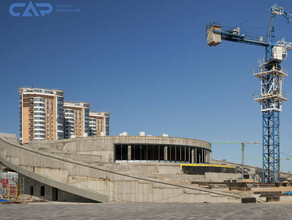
[(213, 38)]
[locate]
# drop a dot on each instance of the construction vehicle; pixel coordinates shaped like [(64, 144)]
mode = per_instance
[(271, 75)]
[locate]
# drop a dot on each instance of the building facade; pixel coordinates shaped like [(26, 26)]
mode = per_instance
[(76, 123), (99, 123), (41, 114)]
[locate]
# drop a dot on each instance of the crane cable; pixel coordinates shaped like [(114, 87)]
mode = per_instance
[(249, 19), (286, 155)]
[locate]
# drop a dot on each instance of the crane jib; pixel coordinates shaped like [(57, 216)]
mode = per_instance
[(240, 38)]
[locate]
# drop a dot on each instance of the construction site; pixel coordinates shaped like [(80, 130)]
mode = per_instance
[(123, 169), (158, 169)]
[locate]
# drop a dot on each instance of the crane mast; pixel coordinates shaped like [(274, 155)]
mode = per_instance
[(271, 75)]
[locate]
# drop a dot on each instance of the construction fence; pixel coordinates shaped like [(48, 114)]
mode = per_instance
[(10, 186)]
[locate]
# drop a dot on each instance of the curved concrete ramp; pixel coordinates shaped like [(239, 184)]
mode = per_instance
[(98, 182), (41, 168)]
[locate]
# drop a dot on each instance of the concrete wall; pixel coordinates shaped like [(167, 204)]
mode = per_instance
[(32, 188), (102, 148)]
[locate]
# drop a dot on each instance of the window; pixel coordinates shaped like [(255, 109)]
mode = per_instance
[(39, 118), (39, 123), (39, 99), (121, 152), (42, 191), (148, 152), (60, 135), (39, 113), (39, 104), (39, 136), (40, 127), (31, 190), (55, 194)]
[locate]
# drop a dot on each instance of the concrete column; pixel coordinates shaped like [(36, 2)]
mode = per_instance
[(129, 152), (200, 157), (196, 153), (210, 156), (206, 156), (193, 155), (165, 152)]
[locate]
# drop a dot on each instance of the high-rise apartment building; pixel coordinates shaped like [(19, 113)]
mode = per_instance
[(76, 116), (41, 114), (99, 123)]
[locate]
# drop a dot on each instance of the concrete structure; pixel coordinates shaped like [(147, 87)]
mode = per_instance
[(120, 149), (99, 123), (76, 116), (68, 169), (41, 114)]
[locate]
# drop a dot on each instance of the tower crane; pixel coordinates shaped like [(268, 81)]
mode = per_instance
[(271, 75), (243, 143)]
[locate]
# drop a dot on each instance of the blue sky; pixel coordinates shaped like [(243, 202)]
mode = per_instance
[(147, 62)]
